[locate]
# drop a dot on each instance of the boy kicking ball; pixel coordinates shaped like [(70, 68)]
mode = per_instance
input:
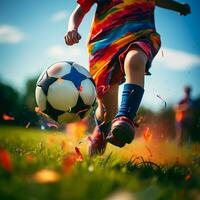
[(122, 44)]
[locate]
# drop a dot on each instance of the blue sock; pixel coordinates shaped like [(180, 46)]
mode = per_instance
[(131, 99), (103, 127)]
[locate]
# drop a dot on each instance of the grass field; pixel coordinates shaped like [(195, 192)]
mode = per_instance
[(37, 164)]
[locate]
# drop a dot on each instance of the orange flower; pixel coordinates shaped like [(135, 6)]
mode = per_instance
[(147, 135), (79, 154), (188, 177), (68, 162), (46, 176), (8, 118), (29, 158), (5, 160)]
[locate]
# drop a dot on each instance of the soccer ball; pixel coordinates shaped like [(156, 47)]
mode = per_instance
[(65, 92)]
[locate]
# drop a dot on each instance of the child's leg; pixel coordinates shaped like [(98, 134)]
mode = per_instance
[(108, 105), (106, 111), (122, 130), (134, 67)]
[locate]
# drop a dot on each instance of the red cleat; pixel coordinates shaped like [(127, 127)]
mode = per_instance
[(98, 142), (122, 131)]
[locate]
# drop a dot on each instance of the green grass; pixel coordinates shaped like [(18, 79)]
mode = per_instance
[(118, 172)]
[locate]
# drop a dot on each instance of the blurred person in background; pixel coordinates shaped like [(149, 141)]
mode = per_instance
[(184, 117)]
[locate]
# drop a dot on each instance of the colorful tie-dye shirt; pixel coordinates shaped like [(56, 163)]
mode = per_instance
[(118, 26)]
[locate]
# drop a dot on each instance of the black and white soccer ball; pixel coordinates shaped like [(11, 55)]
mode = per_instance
[(65, 92)]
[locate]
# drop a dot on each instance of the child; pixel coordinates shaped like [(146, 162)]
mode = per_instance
[(185, 117), (122, 44)]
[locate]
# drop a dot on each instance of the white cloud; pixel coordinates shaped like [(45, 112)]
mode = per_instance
[(56, 51), (11, 34), (72, 53), (59, 16), (177, 60)]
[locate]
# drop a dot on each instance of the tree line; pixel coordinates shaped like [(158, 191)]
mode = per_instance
[(22, 108)]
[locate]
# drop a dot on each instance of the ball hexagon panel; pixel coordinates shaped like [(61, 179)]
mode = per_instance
[(41, 76), (41, 98), (59, 69), (62, 95), (45, 82), (81, 70), (68, 118), (53, 113), (88, 92), (80, 108), (75, 77)]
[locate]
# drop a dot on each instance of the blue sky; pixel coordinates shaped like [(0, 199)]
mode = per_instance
[(31, 39)]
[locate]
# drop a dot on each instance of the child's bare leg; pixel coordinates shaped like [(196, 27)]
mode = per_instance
[(99, 114), (122, 130), (134, 67), (108, 105), (106, 111)]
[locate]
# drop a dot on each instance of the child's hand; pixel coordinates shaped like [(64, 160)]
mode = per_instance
[(72, 37), (185, 9)]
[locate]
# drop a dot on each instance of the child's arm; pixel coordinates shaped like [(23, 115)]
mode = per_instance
[(183, 9), (72, 36)]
